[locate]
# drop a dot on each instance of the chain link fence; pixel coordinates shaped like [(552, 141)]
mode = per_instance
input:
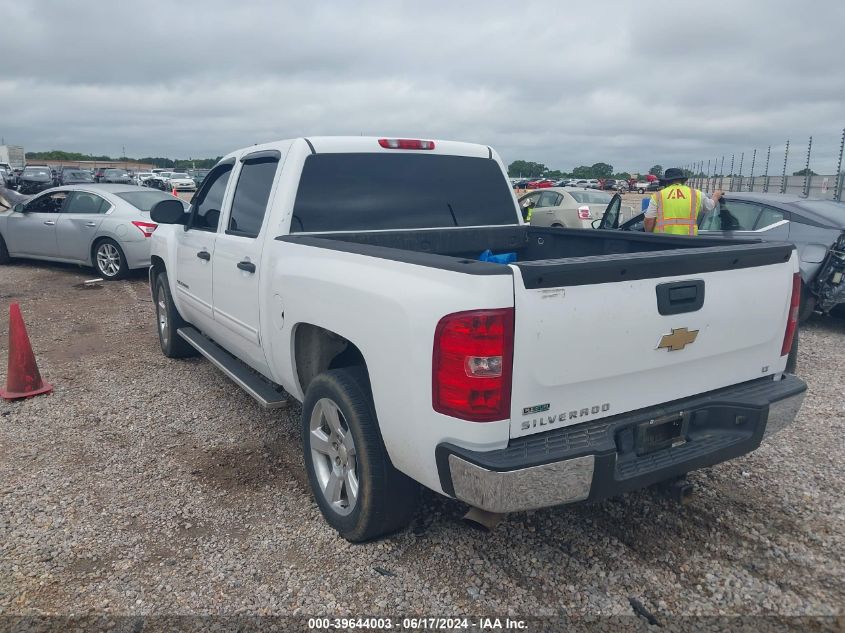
[(775, 170)]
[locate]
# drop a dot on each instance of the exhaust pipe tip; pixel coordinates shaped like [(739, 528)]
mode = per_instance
[(482, 520)]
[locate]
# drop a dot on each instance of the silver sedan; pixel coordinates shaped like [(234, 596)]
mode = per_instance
[(106, 227)]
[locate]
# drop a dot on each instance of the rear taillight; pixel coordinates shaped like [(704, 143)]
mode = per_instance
[(472, 363), (584, 213), (146, 228), (405, 143), (792, 318)]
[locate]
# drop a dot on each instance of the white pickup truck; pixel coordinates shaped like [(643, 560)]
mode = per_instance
[(346, 273)]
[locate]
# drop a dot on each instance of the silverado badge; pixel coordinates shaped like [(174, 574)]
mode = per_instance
[(678, 339)]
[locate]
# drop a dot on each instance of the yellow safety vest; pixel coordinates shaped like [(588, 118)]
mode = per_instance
[(678, 207)]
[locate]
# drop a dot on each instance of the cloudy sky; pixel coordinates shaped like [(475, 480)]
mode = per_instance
[(632, 84)]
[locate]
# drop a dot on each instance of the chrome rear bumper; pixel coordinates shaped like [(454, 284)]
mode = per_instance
[(598, 459)]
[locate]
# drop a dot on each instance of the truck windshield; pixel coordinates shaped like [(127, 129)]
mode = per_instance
[(361, 192)]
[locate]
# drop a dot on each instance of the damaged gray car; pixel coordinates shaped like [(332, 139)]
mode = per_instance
[(815, 226)]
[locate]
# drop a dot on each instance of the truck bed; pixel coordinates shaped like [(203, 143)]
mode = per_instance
[(552, 257)]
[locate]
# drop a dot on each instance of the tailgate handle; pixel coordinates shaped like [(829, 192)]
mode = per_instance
[(680, 296)]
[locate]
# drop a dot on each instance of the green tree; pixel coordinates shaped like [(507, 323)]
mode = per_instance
[(804, 172), (582, 172), (656, 170), (525, 169), (601, 170)]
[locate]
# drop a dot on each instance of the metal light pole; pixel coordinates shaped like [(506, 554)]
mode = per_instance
[(732, 173), (741, 159), (766, 177), (722, 172), (783, 176), (807, 176), (753, 160), (837, 194)]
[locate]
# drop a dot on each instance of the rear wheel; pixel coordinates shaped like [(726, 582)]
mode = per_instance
[(640, 190), (169, 321), (109, 259), (359, 492), (807, 304)]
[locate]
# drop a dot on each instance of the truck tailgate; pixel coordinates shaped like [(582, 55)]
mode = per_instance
[(590, 340)]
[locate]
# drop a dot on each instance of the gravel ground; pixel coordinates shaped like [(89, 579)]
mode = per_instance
[(150, 486)]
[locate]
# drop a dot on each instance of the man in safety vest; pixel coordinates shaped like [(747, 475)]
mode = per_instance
[(675, 208)]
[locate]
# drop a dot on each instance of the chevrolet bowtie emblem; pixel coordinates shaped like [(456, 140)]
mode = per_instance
[(678, 339)]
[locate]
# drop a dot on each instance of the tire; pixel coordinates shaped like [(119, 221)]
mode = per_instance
[(168, 320), (792, 359), (640, 190), (342, 445), (4, 252), (557, 225), (109, 260), (807, 304)]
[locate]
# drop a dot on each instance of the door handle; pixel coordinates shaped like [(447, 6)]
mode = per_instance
[(204, 255), (90, 224), (50, 222), (247, 266)]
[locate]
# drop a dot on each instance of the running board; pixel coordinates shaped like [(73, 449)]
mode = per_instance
[(268, 394)]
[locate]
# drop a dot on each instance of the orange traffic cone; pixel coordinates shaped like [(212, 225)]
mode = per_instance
[(22, 379), (174, 192)]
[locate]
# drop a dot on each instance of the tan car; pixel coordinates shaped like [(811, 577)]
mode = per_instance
[(569, 207)]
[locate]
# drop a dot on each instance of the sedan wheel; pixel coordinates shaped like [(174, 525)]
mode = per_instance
[(334, 456), (110, 260)]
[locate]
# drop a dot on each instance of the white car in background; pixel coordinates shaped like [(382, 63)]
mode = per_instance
[(180, 181), (141, 177)]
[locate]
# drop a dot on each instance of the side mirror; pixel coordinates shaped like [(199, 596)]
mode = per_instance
[(18, 208), (170, 211)]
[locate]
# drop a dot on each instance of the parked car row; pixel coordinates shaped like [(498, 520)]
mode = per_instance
[(608, 184), (35, 178)]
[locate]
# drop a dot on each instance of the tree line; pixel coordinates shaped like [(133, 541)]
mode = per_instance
[(599, 171), (158, 161)]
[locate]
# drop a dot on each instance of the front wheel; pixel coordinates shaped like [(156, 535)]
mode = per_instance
[(109, 260), (359, 492), (640, 191), (169, 321)]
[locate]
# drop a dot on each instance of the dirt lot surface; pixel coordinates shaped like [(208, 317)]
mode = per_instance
[(145, 485)]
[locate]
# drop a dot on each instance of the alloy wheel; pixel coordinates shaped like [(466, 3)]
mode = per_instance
[(334, 456), (108, 259)]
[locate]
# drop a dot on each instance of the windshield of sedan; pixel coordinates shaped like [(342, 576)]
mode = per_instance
[(178, 175), (145, 200), (590, 197)]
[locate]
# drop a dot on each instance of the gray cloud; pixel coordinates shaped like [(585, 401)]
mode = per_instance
[(630, 84)]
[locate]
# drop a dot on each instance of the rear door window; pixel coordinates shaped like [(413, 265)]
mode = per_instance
[(549, 199), (252, 195), (84, 202), (370, 191)]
